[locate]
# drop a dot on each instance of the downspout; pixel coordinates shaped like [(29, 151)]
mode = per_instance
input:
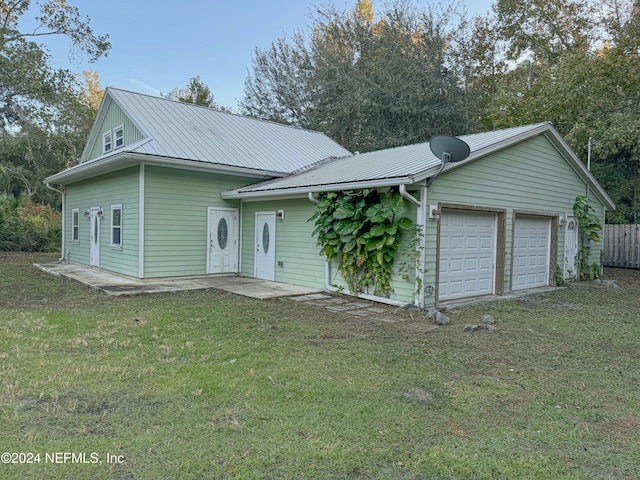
[(408, 196), (63, 225), (421, 223)]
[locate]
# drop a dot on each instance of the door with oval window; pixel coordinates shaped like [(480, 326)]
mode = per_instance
[(222, 254), (265, 258)]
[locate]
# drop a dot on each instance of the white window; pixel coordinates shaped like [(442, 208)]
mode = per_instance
[(75, 225), (107, 146), (116, 226), (118, 136)]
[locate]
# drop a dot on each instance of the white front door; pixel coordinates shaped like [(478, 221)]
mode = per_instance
[(531, 251), (265, 259), (570, 247), (94, 238), (222, 256), (467, 254)]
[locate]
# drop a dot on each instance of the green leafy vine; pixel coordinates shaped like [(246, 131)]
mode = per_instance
[(590, 228), (362, 229)]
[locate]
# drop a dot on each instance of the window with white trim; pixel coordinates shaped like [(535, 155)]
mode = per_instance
[(116, 226), (118, 136), (107, 146), (75, 225)]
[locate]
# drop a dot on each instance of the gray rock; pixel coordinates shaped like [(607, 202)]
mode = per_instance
[(610, 283), (469, 328), (432, 312), (441, 319), (488, 319), (491, 328)]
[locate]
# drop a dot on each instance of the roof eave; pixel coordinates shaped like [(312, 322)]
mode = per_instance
[(555, 138), (376, 183), (125, 159), (579, 167)]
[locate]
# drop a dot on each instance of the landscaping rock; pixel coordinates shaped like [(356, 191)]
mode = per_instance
[(488, 319), (441, 319), (491, 328), (469, 328), (409, 306)]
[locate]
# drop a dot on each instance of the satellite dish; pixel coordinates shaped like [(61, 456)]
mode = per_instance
[(449, 149)]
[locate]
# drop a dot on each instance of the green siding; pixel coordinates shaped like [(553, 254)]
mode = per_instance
[(296, 246), (530, 176), (176, 208), (116, 188), (113, 118)]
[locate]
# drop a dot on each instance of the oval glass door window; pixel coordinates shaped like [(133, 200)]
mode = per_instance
[(265, 237), (223, 233), (95, 230)]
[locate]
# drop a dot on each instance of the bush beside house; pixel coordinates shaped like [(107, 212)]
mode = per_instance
[(28, 227)]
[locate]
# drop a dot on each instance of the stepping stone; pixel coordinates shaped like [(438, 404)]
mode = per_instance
[(384, 319), (347, 306), (312, 296), (327, 302), (376, 310)]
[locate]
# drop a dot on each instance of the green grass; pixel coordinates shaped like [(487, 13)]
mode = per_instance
[(210, 385)]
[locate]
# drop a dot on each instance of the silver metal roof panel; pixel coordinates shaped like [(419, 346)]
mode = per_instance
[(191, 132)]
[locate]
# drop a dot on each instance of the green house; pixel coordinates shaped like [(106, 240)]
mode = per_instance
[(168, 189)]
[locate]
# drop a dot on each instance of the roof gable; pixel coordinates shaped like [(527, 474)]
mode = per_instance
[(189, 132), (411, 164), (109, 117)]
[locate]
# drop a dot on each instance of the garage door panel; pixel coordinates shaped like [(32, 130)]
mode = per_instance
[(467, 254), (532, 240)]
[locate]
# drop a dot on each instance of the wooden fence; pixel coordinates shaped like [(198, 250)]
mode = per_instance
[(622, 246)]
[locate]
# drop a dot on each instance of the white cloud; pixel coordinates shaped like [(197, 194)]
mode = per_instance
[(147, 88)]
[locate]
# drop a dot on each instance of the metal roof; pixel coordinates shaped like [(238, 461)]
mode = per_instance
[(190, 132), (406, 165)]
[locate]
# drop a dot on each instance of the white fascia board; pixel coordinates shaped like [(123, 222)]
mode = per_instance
[(482, 152), (123, 160), (581, 170), (303, 190), (93, 134)]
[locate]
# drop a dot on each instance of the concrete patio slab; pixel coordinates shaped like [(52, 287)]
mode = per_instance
[(115, 284)]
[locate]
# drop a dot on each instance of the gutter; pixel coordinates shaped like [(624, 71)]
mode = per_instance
[(125, 159), (385, 182), (62, 196)]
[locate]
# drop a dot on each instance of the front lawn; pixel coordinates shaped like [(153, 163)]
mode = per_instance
[(211, 385)]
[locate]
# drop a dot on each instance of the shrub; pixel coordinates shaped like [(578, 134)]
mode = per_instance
[(28, 227)]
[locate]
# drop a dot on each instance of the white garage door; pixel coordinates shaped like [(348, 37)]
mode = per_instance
[(467, 254), (532, 243)]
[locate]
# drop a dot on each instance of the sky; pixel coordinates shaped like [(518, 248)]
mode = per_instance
[(160, 45)]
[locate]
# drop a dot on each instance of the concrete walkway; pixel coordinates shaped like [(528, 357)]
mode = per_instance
[(115, 284)]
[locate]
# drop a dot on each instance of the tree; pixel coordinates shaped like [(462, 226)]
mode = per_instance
[(577, 69), (45, 113), (93, 93), (367, 83), (195, 93), (30, 88)]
